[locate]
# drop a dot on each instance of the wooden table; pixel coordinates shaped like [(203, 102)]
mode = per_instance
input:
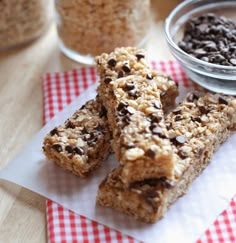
[(22, 212)]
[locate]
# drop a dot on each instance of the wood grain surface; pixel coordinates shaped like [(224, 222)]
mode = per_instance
[(22, 212)]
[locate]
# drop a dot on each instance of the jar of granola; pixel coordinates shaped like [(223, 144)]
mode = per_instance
[(89, 27), (22, 21)]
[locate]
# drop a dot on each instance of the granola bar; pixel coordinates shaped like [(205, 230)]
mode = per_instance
[(198, 126), (126, 61), (76, 146), (140, 139)]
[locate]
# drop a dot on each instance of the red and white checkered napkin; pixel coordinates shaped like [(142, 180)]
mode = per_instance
[(64, 226)]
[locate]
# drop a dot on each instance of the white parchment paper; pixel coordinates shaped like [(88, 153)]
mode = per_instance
[(186, 220)]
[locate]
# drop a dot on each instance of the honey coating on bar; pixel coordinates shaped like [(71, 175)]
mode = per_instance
[(82, 143), (197, 127)]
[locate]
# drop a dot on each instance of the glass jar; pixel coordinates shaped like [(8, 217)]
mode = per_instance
[(22, 21), (89, 27)]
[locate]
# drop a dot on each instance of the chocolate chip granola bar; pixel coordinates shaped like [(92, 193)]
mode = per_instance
[(60, 144), (140, 139), (127, 61), (197, 127), (76, 146)]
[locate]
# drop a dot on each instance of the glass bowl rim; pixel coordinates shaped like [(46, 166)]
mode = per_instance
[(179, 51)]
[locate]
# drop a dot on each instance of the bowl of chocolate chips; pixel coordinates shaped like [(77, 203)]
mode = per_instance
[(201, 35)]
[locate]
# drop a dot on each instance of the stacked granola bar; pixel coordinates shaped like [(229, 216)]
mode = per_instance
[(159, 154), (123, 62), (82, 143), (196, 128)]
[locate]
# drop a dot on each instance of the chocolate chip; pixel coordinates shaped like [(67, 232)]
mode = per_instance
[(196, 119), (193, 96), (129, 86), (199, 53), (222, 101), (218, 58), (123, 112), (121, 74), (164, 182), (210, 46), (130, 145), (176, 111), (112, 62), (103, 112), (91, 141), (149, 76), (69, 124), (84, 130), (209, 39), (157, 131), (126, 121), (169, 125), (178, 118), (182, 154), (133, 93), (155, 118), (203, 110), (69, 149), (157, 104), (92, 138), (154, 183), (182, 45), (140, 55), (150, 153), (205, 59), (82, 107), (57, 147), (179, 140), (126, 67), (99, 128), (121, 105), (78, 151), (107, 80), (54, 131), (150, 182)]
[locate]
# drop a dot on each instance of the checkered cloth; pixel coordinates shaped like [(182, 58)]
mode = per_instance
[(64, 226)]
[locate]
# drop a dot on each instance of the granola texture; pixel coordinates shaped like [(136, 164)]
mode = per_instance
[(125, 61), (97, 26), (22, 21), (197, 126), (82, 143), (136, 120)]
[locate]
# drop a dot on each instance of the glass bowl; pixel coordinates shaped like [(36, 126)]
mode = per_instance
[(214, 77)]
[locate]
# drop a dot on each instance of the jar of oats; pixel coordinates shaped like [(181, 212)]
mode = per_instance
[(89, 27), (22, 21)]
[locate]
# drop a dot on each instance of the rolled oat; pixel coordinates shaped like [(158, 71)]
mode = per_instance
[(93, 27), (22, 21)]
